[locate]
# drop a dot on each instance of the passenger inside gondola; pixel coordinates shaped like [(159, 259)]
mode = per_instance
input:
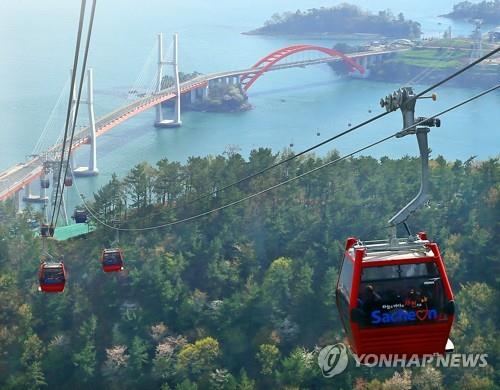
[(370, 300), (394, 294), (416, 299), (411, 299)]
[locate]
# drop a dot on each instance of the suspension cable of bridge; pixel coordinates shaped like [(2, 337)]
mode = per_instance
[(39, 146), (138, 86), (295, 178), (58, 202), (341, 134)]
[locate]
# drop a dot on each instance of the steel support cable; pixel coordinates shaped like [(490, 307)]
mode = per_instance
[(146, 68), (141, 79), (70, 99), (335, 161), (80, 88), (153, 85), (39, 144), (379, 116)]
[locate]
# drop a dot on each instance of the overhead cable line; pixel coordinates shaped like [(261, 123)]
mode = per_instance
[(80, 87), (335, 161), (341, 134), (70, 100)]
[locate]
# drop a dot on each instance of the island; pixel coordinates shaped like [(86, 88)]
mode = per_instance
[(425, 62), (341, 19), (168, 81), (221, 97), (487, 11)]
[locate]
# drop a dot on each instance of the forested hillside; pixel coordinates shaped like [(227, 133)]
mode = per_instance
[(341, 19), (241, 298), (487, 10)]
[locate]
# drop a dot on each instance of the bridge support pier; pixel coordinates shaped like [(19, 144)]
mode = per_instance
[(176, 122), (193, 96), (363, 61), (91, 169), (31, 198), (18, 204), (204, 91)]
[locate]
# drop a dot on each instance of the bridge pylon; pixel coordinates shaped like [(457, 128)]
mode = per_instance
[(29, 197), (176, 121), (91, 169), (18, 204)]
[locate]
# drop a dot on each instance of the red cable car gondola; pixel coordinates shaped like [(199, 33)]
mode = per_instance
[(394, 296), (52, 277), (44, 183), (395, 299), (68, 181), (112, 260)]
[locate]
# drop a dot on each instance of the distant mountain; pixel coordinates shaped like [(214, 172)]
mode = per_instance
[(488, 11), (342, 19)]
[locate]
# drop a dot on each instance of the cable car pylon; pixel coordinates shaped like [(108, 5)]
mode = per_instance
[(393, 296)]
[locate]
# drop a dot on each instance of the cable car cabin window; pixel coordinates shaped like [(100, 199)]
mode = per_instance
[(401, 294), (344, 292), (345, 281), (112, 258), (53, 275)]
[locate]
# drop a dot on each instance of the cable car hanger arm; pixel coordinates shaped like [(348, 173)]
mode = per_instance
[(405, 100), (423, 194)]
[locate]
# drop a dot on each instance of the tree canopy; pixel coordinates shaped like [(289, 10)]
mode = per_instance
[(241, 298)]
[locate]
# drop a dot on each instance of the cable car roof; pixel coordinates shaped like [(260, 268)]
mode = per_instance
[(111, 250), (384, 250), (52, 265)]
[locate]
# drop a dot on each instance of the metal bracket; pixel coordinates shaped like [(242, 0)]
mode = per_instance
[(404, 99)]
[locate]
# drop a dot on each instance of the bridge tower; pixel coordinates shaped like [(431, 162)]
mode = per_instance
[(91, 169), (176, 122)]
